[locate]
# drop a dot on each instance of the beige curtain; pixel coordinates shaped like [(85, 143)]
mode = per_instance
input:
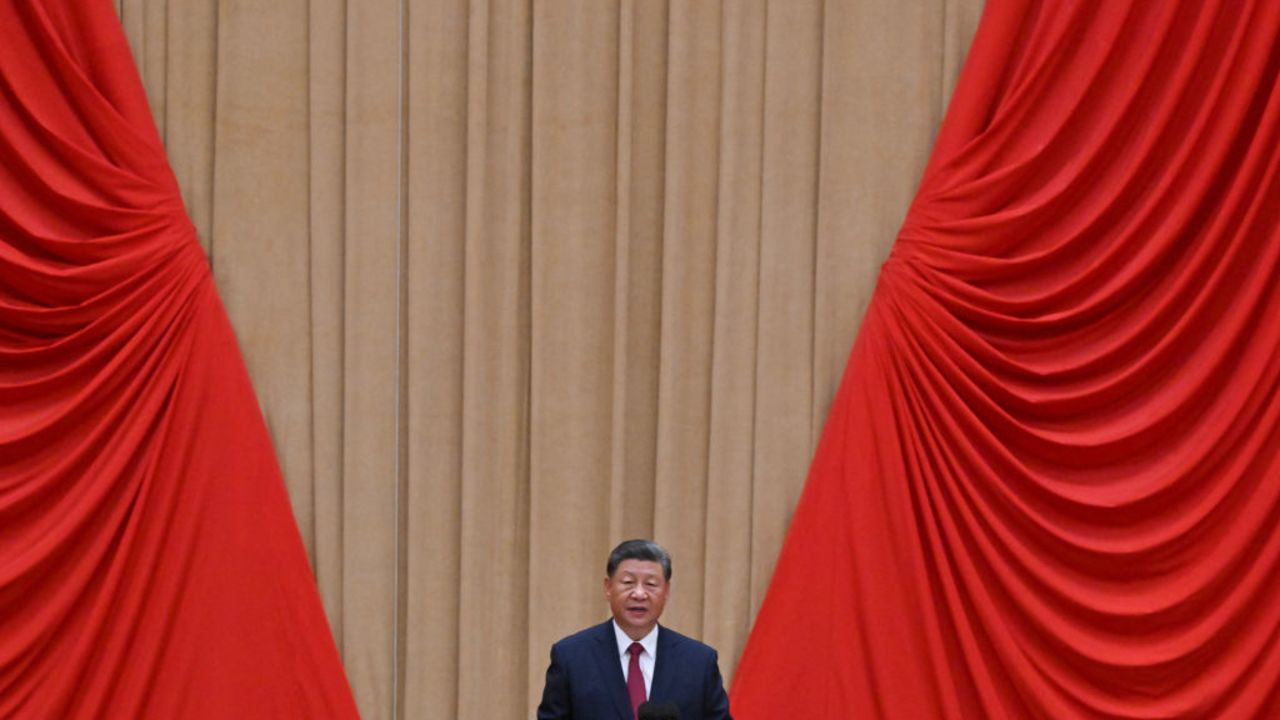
[(519, 279)]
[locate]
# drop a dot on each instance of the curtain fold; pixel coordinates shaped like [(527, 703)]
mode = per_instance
[(1050, 482), (150, 565)]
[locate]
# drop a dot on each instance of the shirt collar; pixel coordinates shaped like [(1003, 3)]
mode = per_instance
[(648, 642)]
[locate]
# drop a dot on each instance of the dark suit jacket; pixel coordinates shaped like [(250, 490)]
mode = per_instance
[(584, 681)]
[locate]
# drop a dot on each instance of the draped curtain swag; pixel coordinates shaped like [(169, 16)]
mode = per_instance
[(150, 565), (1050, 482)]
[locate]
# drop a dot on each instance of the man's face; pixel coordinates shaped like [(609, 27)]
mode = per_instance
[(637, 592)]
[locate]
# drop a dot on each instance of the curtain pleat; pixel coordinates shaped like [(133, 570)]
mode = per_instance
[(325, 174), (437, 172)]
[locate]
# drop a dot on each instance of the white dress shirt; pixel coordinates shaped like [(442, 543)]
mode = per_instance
[(647, 658)]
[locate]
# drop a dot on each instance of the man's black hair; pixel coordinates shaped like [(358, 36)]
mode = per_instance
[(639, 550)]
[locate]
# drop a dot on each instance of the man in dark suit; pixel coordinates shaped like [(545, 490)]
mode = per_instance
[(606, 671)]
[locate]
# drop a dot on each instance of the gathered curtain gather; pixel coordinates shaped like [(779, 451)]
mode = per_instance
[(1050, 483), (150, 565)]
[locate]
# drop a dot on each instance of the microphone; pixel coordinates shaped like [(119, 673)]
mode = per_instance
[(657, 711)]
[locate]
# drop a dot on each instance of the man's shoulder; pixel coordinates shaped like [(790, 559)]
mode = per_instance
[(584, 636), (670, 639)]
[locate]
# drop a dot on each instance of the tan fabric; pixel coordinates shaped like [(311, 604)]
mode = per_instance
[(518, 280)]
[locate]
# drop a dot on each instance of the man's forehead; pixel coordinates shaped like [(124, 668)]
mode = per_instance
[(639, 567)]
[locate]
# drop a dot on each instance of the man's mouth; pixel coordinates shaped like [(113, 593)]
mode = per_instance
[(637, 610)]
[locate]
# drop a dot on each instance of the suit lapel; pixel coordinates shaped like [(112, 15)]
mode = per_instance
[(608, 662), (664, 666)]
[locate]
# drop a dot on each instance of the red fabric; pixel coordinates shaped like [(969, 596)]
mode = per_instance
[(150, 566), (1050, 483), (635, 678)]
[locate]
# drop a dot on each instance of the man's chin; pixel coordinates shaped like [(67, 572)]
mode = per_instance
[(636, 626)]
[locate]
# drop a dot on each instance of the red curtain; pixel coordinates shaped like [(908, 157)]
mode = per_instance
[(1049, 486), (149, 561)]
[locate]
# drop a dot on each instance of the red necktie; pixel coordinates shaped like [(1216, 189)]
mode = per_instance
[(635, 679)]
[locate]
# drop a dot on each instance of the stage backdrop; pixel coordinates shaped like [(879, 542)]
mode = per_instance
[(1050, 484), (515, 280)]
